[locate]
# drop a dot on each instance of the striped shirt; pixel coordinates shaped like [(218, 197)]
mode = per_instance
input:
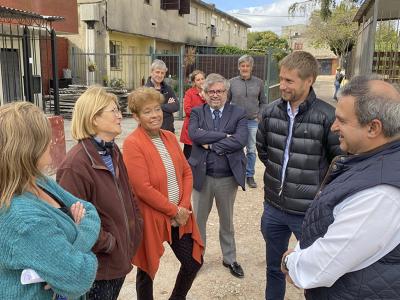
[(173, 188)]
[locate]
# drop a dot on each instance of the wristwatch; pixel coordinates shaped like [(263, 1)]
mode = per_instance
[(284, 263)]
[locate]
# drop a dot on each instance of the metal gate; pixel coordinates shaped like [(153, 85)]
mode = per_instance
[(129, 71), (26, 61)]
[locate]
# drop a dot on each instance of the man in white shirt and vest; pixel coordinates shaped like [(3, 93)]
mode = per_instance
[(350, 241)]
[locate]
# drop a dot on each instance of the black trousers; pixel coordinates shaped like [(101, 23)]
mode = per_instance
[(182, 249), (187, 150), (105, 289)]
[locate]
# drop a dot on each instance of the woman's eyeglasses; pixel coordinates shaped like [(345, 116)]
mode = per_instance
[(116, 111)]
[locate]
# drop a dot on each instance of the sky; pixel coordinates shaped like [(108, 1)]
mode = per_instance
[(260, 14)]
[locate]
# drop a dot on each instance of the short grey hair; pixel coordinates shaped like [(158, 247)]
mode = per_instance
[(246, 58), (370, 105), (214, 78), (158, 64)]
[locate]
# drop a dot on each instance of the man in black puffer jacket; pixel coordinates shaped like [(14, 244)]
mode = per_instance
[(296, 145)]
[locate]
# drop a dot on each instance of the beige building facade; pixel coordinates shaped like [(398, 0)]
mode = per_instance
[(121, 37), (298, 40)]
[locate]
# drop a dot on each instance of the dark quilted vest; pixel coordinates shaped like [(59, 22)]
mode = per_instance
[(348, 175)]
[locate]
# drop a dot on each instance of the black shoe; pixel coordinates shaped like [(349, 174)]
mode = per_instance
[(251, 183), (235, 268)]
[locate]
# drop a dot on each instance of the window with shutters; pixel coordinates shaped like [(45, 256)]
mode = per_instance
[(169, 4)]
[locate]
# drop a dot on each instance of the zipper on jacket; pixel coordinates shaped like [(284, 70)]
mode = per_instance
[(328, 173), (118, 190), (290, 146), (125, 216)]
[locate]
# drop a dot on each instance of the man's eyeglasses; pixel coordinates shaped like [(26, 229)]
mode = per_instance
[(116, 111), (215, 92)]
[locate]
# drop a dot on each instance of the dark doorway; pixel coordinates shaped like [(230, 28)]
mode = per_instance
[(325, 66), (11, 75)]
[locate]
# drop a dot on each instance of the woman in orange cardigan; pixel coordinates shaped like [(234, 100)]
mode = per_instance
[(162, 180)]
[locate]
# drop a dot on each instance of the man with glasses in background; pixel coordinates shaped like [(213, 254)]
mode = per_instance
[(219, 134)]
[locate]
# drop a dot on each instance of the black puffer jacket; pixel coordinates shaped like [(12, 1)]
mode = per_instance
[(312, 148), (167, 108)]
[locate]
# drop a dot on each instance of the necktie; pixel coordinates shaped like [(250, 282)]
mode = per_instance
[(216, 119)]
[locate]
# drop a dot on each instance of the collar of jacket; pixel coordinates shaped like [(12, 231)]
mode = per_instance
[(240, 76), (303, 106), (345, 162), (149, 83), (95, 158)]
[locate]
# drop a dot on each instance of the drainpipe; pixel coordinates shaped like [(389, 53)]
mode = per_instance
[(55, 72), (28, 78), (90, 42)]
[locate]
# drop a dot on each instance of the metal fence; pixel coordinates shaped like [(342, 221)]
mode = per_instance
[(25, 62), (378, 43), (386, 58), (132, 70)]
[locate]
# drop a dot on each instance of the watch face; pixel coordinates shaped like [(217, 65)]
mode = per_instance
[(284, 262)]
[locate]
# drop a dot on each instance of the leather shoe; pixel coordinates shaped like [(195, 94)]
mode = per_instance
[(235, 268), (251, 183)]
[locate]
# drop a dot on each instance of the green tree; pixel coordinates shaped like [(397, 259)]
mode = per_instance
[(268, 40), (337, 32), (232, 50), (326, 6), (264, 40), (227, 49), (387, 37)]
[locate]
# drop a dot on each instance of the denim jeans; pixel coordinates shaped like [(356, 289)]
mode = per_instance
[(252, 126), (337, 87), (277, 227)]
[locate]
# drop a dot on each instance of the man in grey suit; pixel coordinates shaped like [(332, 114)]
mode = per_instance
[(219, 133)]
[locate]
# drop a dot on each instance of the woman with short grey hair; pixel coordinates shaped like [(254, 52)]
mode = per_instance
[(158, 70)]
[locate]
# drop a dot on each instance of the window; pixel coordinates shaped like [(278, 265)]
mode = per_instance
[(193, 16), (222, 25), (147, 2), (202, 17), (298, 46), (169, 4), (115, 55)]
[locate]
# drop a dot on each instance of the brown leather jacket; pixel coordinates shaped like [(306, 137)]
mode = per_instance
[(84, 174)]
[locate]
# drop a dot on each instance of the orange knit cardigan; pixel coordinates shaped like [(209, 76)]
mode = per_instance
[(148, 178)]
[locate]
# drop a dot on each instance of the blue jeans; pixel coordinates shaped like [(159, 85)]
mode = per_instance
[(277, 227), (337, 87), (252, 126)]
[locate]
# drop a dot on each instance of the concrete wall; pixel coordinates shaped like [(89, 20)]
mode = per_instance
[(135, 17), (296, 35), (227, 32)]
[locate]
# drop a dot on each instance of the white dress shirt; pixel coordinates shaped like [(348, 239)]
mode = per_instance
[(366, 227), (292, 115)]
